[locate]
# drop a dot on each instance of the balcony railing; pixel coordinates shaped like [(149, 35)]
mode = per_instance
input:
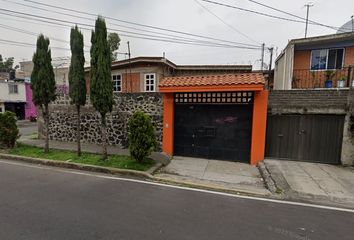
[(309, 79)]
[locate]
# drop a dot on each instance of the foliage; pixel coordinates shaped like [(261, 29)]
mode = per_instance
[(77, 90), (113, 42), (42, 78), (142, 138), (8, 129), (43, 82), (101, 93), (7, 64), (329, 74), (116, 161)]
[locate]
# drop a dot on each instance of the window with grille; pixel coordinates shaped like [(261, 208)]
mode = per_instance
[(214, 98), (150, 82), (13, 89), (117, 83)]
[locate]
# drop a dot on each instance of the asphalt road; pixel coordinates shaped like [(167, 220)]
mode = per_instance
[(49, 203)]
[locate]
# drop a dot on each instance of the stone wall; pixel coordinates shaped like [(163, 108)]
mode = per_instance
[(326, 101), (63, 118)]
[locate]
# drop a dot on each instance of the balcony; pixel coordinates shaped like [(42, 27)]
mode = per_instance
[(311, 79)]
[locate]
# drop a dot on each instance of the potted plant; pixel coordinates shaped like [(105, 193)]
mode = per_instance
[(341, 82), (329, 75)]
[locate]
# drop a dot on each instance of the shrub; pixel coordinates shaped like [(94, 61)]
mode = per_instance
[(142, 138), (8, 129)]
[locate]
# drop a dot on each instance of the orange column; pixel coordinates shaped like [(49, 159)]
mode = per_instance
[(168, 121), (259, 126)]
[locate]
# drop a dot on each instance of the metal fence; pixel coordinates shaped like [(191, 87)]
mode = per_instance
[(309, 79)]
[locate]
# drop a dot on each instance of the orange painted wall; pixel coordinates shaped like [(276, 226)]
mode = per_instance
[(302, 59), (349, 56), (168, 123), (259, 126)]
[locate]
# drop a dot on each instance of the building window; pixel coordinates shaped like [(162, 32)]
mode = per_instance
[(13, 89), (327, 59), (150, 82), (117, 83)]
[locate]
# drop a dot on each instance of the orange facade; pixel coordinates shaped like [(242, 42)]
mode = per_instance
[(258, 122)]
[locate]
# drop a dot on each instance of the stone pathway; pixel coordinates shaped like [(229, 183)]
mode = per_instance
[(223, 174), (314, 182)]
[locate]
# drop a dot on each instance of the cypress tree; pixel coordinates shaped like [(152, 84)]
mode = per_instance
[(43, 82), (101, 91), (77, 90)]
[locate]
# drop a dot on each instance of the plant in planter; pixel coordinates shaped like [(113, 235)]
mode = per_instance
[(341, 82), (329, 75)]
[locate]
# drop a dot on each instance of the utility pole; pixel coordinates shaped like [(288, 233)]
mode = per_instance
[(270, 77), (130, 68), (262, 57), (307, 16)]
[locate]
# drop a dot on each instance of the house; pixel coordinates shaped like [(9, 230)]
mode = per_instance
[(13, 98), (143, 74), (215, 116), (316, 62)]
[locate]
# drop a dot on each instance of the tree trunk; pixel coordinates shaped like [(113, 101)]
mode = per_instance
[(78, 131), (46, 124), (104, 137)]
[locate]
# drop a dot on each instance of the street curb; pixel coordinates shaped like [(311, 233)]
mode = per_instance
[(268, 180), (78, 166), (211, 188), (116, 171)]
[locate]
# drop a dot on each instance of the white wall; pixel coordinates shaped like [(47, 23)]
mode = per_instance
[(283, 71), (2, 107), (5, 95)]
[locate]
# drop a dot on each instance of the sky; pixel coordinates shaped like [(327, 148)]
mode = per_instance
[(178, 15)]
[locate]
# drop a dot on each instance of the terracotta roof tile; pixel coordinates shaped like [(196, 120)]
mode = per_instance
[(213, 80)]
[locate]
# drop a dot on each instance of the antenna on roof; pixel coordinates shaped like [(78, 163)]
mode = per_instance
[(307, 16), (164, 55)]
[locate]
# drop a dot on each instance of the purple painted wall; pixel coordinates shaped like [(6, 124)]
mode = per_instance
[(31, 110)]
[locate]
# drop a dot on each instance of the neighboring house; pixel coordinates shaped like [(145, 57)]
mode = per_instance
[(13, 98), (218, 116), (316, 62), (143, 74)]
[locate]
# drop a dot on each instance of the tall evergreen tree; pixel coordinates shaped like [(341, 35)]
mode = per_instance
[(43, 82), (77, 90), (101, 91)]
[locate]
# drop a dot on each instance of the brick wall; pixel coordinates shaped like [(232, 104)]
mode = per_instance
[(316, 101)]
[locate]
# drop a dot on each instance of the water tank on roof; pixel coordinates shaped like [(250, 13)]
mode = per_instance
[(347, 27)]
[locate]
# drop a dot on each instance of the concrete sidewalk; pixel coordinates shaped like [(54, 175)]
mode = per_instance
[(313, 182), (219, 174)]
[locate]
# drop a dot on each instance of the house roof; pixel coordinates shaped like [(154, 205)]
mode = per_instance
[(217, 81), (165, 61), (324, 41)]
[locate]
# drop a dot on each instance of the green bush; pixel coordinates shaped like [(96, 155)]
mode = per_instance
[(8, 129), (142, 138)]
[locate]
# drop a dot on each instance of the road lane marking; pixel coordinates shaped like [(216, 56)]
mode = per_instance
[(177, 187)]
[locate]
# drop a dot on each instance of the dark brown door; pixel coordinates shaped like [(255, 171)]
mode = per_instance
[(313, 138)]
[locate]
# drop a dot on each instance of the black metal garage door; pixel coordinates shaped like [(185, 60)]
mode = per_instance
[(313, 138), (212, 128)]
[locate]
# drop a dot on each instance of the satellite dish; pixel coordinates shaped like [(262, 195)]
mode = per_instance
[(347, 27)]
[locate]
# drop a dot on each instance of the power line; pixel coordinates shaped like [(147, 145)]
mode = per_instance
[(119, 25), (252, 11), (135, 35), (137, 24), (227, 24), (293, 15)]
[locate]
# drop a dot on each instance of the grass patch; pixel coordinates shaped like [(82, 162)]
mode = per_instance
[(115, 161)]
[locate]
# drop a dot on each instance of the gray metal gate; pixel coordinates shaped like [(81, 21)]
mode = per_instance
[(313, 138)]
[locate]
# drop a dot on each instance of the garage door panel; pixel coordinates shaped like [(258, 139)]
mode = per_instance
[(314, 138), (216, 131)]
